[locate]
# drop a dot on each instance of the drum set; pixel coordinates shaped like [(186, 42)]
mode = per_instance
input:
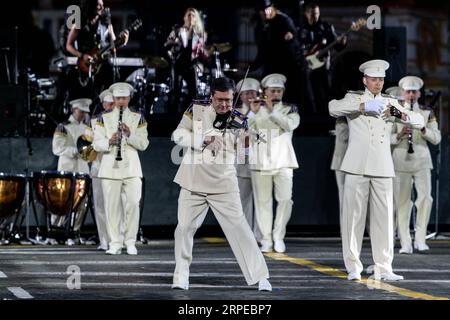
[(60, 193), (152, 96), (42, 93)]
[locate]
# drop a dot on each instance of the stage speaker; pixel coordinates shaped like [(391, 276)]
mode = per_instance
[(389, 43), (12, 110)]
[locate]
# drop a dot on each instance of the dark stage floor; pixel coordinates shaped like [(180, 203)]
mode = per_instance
[(312, 268)]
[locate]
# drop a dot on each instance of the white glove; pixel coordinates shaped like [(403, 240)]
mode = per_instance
[(374, 106), (214, 143)]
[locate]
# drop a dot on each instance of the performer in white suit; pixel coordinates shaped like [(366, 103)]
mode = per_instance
[(369, 170), (272, 163), (64, 145), (413, 165), (123, 138), (396, 92), (207, 177), (100, 215), (249, 89), (340, 146)]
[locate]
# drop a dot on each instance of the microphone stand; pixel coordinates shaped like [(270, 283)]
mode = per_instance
[(28, 178)]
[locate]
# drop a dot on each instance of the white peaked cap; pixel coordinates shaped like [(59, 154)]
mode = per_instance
[(374, 68), (395, 92), (106, 96), (410, 83), (82, 104), (274, 80), (248, 84), (121, 89)]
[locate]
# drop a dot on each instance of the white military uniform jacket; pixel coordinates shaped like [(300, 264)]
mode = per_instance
[(64, 145), (341, 143), (106, 126), (242, 166), (421, 158), (368, 151), (200, 170), (95, 165), (277, 128)]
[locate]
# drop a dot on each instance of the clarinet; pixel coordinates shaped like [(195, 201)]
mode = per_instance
[(410, 135), (119, 128)]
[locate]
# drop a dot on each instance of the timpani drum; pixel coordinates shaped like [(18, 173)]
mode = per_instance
[(12, 193), (61, 192)]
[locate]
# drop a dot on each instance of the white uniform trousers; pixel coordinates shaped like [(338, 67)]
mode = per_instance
[(358, 191), (131, 188), (100, 214), (246, 194), (227, 209), (403, 183), (263, 183), (340, 179)]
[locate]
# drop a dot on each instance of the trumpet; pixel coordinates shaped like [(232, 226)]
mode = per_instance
[(119, 128)]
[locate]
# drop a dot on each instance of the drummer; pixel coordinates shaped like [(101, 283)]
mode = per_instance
[(64, 146)]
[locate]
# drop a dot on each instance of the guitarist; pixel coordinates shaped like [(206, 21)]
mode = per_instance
[(96, 30), (314, 35)]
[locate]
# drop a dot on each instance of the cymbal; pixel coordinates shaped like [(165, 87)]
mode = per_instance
[(155, 62), (220, 47), (231, 70)]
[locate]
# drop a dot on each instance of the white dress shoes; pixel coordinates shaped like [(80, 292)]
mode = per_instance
[(406, 250), (266, 247), (421, 246), (354, 276), (264, 285), (114, 251), (279, 246), (388, 276), (181, 286), (131, 250)]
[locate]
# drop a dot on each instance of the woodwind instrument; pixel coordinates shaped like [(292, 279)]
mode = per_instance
[(410, 134), (119, 129)]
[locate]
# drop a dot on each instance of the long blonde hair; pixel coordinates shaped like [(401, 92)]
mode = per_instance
[(198, 26)]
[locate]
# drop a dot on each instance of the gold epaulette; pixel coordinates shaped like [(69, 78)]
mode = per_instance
[(385, 95), (360, 92), (341, 120), (61, 129), (100, 121), (293, 107), (189, 111), (142, 120)]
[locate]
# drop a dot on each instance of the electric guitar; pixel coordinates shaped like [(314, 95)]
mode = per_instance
[(315, 56), (100, 55)]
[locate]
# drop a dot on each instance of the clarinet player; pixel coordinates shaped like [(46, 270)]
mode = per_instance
[(413, 165), (120, 133)]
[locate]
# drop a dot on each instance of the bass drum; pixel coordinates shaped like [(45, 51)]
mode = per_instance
[(61, 192), (12, 193)]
